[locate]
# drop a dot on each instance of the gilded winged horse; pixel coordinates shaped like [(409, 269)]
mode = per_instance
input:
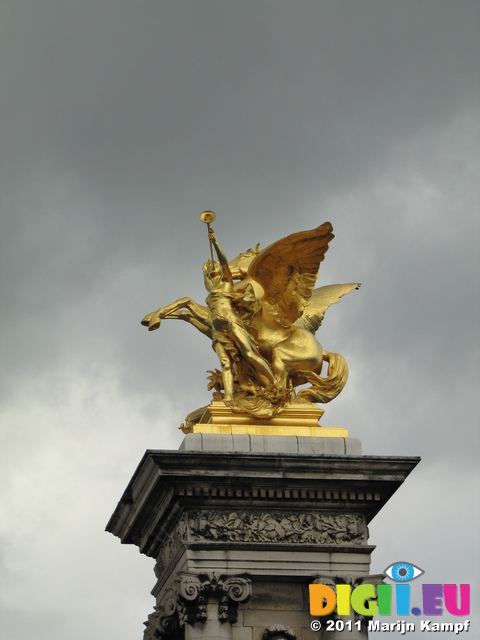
[(262, 313)]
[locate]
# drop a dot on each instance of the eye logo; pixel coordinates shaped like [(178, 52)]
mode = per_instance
[(403, 571)]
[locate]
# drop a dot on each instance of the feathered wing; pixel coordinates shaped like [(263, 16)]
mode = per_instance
[(320, 300), (287, 270)]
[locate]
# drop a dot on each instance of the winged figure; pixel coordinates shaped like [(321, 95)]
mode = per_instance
[(261, 313)]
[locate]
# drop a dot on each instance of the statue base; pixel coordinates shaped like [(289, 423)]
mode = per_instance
[(296, 420), (240, 525)]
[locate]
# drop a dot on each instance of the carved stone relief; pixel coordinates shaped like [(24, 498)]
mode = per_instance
[(277, 527), (172, 545), (254, 526)]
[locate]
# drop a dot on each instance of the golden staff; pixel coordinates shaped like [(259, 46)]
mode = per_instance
[(207, 217)]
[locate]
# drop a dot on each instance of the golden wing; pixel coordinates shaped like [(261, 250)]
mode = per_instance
[(320, 300), (287, 270)]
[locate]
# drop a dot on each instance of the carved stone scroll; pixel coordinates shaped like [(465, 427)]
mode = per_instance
[(194, 591), (161, 624)]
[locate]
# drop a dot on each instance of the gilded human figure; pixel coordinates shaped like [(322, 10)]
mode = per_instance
[(262, 312), (230, 337)]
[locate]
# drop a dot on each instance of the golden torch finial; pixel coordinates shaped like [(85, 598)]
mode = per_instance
[(207, 217)]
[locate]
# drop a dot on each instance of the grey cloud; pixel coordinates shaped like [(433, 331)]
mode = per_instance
[(120, 123)]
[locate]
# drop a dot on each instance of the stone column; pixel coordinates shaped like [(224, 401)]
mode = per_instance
[(280, 510)]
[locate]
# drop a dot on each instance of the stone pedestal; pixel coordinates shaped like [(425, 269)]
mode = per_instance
[(240, 525)]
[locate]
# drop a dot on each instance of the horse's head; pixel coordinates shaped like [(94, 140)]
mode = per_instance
[(239, 265)]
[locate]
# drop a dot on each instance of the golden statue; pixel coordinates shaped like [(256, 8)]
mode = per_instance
[(262, 314)]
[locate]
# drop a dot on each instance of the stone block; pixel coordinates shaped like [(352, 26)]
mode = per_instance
[(263, 618), (353, 447), (280, 563), (192, 442), (241, 443), (241, 633), (280, 444), (257, 444), (214, 442), (277, 596), (334, 446), (271, 444)]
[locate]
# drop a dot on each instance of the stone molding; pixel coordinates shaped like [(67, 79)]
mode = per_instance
[(166, 483), (280, 493)]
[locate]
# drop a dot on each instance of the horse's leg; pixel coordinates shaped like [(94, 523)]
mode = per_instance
[(152, 320), (189, 317), (279, 367), (199, 312)]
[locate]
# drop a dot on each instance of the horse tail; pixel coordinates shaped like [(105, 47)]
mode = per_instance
[(326, 389)]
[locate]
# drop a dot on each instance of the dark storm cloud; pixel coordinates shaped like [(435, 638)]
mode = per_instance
[(120, 123), (148, 98)]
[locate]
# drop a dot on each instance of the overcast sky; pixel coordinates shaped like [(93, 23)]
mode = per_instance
[(122, 121)]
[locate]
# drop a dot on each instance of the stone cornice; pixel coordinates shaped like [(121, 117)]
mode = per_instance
[(168, 482)]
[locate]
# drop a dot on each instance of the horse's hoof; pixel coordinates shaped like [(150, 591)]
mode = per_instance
[(146, 320), (154, 324)]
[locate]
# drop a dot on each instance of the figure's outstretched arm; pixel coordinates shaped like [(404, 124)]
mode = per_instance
[(222, 258)]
